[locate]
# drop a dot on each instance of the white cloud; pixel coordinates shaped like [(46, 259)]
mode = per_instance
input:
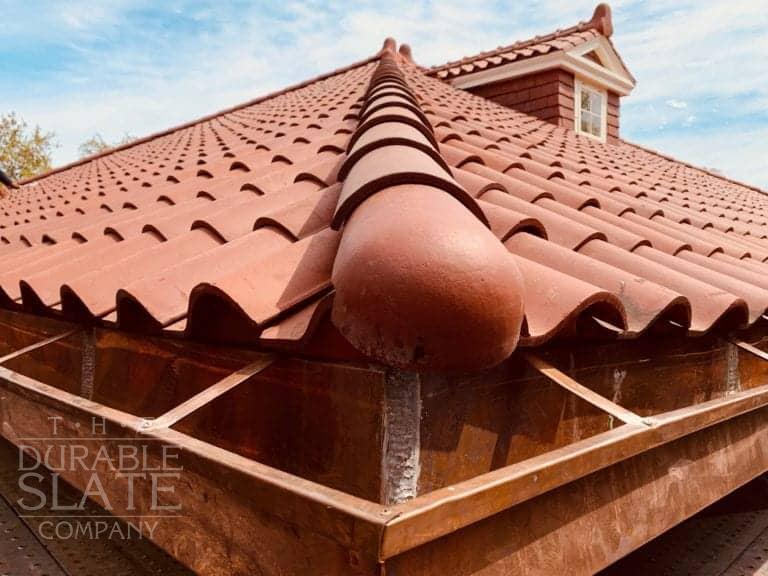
[(730, 151), (677, 104), (139, 67)]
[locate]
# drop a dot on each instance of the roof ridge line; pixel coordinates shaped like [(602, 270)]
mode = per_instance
[(514, 46), (600, 21), (689, 165), (190, 123), (390, 99), (408, 247)]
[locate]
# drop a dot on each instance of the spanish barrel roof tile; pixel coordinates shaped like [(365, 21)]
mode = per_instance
[(710, 305), (644, 301), (556, 301), (558, 40), (755, 297), (42, 289), (157, 300), (92, 294), (505, 222), (560, 229), (379, 206), (515, 187), (235, 305)]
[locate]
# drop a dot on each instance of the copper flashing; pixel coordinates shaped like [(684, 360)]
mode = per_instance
[(562, 379), (406, 534)]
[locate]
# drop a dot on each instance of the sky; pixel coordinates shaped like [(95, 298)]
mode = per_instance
[(77, 67)]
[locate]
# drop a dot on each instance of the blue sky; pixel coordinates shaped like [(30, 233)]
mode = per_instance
[(78, 67)]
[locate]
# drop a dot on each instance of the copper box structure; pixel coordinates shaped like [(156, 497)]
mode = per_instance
[(293, 466)]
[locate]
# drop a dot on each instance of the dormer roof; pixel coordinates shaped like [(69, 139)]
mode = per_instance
[(584, 49)]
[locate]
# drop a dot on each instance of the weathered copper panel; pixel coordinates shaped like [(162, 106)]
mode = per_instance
[(283, 472), (753, 370), (484, 422), (59, 364), (647, 382), (237, 516), (18, 330), (322, 422), (586, 525), (147, 377)]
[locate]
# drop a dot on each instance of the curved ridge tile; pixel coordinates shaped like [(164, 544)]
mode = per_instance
[(393, 158), (420, 281)]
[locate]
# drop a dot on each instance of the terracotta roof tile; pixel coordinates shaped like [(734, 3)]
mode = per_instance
[(560, 40), (556, 302), (645, 302), (363, 200)]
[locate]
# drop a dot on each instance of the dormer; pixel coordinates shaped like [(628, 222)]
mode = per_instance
[(573, 78)]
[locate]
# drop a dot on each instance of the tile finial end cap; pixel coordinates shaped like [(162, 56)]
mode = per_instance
[(602, 20), (406, 53), (389, 46), (422, 285)]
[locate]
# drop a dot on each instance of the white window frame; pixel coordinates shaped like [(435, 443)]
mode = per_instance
[(579, 86)]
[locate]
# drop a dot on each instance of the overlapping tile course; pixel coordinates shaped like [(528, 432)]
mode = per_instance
[(212, 231), (257, 225)]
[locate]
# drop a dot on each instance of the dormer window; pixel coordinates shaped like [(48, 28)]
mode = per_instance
[(590, 117), (574, 79)]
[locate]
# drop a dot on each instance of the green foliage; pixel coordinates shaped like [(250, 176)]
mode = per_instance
[(24, 151), (96, 144)]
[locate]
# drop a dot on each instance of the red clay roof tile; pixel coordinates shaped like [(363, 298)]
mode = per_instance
[(220, 230), (600, 24), (645, 302)]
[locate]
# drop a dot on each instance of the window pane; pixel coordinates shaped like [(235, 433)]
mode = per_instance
[(584, 99), (595, 102), (593, 121), (591, 111), (591, 116)]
